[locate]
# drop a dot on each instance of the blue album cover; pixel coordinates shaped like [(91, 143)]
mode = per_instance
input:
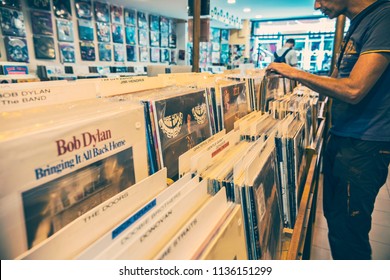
[(215, 35), (41, 5), (116, 14), (13, 4), (131, 53), (117, 33), (102, 12), (103, 32), (62, 9), (130, 17), (41, 23), (225, 36), (87, 50), (12, 23), (44, 47), (142, 37), (85, 30), (154, 38), (83, 9), (165, 55), (143, 54), (130, 35), (64, 30), (119, 53), (67, 54), (16, 49), (105, 52), (142, 21), (154, 23)]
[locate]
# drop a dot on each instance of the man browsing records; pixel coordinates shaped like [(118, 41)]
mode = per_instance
[(357, 153)]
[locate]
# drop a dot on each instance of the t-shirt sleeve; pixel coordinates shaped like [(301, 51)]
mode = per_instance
[(377, 37)]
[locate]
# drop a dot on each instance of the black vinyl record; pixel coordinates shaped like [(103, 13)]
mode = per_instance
[(16, 49), (44, 47)]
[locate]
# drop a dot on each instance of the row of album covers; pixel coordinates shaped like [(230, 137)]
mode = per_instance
[(110, 25), (206, 168)]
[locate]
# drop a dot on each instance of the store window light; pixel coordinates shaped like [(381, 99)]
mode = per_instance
[(231, 1)]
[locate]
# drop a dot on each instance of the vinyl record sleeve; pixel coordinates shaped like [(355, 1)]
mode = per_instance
[(165, 55), (154, 55), (142, 20), (83, 9), (16, 49), (182, 124), (143, 54), (117, 33), (85, 30), (44, 47), (131, 35), (12, 4), (164, 24), (164, 40), (65, 30), (99, 220), (143, 37), (12, 22), (102, 12), (62, 9), (119, 53), (80, 160), (41, 23), (67, 53), (130, 17), (105, 52), (131, 52), (103, 31), (87, 50), (154, 38), (154, 23), (116, 14)]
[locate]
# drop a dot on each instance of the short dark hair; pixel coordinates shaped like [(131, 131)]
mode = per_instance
[(291, 41)]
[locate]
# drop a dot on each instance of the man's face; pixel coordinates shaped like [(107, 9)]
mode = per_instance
[(331, 8)]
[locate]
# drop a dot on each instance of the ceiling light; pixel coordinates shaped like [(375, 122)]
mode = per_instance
[(246, 10), (231, 1), (258, 16)]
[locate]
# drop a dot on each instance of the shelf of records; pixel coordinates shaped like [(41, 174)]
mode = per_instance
[(179, 166), (12, 72), (106, 32)]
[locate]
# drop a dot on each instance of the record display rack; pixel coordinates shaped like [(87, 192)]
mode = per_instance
[(297, 242)]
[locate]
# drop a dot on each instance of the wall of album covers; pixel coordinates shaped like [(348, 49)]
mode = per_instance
[(84, 31)]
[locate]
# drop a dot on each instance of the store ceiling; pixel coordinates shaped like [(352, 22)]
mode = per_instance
[(267, 9)]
